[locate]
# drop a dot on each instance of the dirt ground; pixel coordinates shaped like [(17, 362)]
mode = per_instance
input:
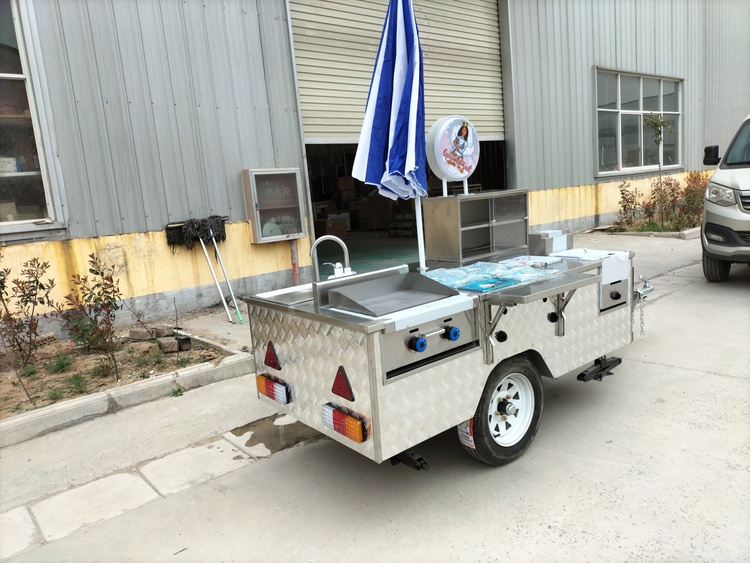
[(50, 379)]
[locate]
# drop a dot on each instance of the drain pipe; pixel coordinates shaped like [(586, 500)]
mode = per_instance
[(295, 263)]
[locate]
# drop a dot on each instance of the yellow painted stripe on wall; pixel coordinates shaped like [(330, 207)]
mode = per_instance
[(145, 263), (563, 204)]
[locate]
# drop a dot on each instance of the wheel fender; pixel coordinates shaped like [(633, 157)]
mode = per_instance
[(535, 358)]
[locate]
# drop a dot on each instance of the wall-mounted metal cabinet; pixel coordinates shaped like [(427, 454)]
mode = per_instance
[(275, 205), (468, 228)]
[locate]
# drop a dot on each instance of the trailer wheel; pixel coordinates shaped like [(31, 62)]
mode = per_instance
[(508, 414)]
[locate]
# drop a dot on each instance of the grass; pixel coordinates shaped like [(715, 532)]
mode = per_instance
[(102, 369), (77, 383), (178, 391), (54, 394), (184, 361), (652, 227), (61, 363), (154, 360), (27, 370)]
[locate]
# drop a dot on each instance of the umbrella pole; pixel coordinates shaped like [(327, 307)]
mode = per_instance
[(420, 233)]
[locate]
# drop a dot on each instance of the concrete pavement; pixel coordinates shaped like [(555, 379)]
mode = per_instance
[(217, 328), (69, 490)]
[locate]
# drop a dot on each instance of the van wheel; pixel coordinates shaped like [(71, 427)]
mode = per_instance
[(715, 270), (508, 414)]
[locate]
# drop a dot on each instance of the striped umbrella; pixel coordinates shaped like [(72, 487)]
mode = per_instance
[(391, 153)]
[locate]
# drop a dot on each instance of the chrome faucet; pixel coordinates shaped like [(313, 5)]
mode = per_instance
[(314, 254)]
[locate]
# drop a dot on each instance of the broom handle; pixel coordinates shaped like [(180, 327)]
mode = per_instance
[(216, 280), (226, 277)]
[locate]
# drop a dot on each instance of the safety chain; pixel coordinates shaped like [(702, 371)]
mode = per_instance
[(643, 322), (641, 293)]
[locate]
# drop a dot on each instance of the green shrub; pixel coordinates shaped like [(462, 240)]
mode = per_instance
[(60, 364), (183, 361), (28, 370), (55, 394), (668, 208), (631, 209), (154, 360), (19, 299), (76, 383), (102, 369), (89, 312)]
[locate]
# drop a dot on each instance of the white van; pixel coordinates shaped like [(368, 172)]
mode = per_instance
[(725, 230)]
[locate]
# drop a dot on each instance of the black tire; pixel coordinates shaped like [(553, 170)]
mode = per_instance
[(517, 382), (715, 270)]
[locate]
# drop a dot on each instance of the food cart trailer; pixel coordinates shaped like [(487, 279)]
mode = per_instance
[(381, 361)]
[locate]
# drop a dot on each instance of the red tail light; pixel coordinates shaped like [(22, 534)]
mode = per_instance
[(274, 388), (346, 422)]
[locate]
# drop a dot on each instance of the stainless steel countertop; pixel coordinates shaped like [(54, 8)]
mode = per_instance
[(570, 272)]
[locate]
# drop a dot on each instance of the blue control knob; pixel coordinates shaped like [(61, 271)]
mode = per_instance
[(418, 344), (453, 333)]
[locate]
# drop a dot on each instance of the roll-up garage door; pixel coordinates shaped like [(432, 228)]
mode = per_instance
[(335, 44)]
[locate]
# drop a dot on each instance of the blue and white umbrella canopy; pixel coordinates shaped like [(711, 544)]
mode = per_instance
[(391, 153)]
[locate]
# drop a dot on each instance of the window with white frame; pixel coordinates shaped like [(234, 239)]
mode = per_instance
[(23, 196), (625, 143)]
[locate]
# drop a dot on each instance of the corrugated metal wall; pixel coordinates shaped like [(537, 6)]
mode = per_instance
[(336, 42), (550, 59), (726, 60), (158, 106)]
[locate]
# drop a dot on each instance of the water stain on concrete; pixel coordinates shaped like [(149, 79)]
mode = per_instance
[(276, 433)]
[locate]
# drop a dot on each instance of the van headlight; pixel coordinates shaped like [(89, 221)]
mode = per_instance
[(719, 194)]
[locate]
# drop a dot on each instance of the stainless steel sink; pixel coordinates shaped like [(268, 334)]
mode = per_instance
[(289, 295), (373, 294), (379, 293)]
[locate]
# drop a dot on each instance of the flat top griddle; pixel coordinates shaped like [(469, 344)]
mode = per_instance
[(389, 294)]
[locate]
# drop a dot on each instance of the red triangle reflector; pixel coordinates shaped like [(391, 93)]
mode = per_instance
[(272, 360), (341, 385)]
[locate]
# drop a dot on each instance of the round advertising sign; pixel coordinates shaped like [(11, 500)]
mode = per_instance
[(452, 148)]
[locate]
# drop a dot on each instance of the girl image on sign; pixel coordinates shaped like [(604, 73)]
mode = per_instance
[(461, 141)]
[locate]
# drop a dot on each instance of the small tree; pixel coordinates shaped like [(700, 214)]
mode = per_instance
[(89, 312), (19, 300), (658, 124), (19, 319), (630, 206)]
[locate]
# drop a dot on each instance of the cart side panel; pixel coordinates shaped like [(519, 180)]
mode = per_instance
[(424, 404), (589, 334), (310, 353), (420, 405)]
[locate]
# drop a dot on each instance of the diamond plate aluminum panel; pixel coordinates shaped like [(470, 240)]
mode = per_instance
[(422, 405), (412, 408), (589, 334), (426, 403), (310, 353)]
